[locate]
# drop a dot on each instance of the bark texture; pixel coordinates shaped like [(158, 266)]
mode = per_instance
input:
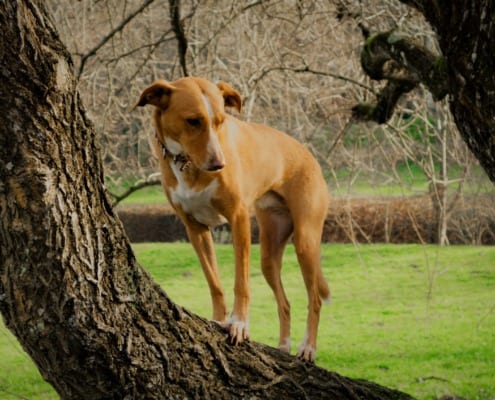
[(464, 70), (71, 290)]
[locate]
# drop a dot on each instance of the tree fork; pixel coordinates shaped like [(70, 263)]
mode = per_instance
[(404, 64), (71, 289)]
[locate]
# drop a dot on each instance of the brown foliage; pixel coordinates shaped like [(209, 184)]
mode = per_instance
[(358, 220)]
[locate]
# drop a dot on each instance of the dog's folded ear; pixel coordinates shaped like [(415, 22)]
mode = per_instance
[(231, 97), (158, 95)]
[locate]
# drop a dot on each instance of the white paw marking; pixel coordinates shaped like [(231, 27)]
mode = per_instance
[(305, 350), (285, 345), (238, 330)]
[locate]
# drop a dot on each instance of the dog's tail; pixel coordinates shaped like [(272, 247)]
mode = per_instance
[(323, 288)]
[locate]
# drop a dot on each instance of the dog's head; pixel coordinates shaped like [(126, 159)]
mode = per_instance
[(189, 116)]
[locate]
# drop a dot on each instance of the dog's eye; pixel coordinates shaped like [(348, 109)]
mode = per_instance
[(194, 122)]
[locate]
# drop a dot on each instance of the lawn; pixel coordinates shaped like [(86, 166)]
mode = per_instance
[(417, 318)]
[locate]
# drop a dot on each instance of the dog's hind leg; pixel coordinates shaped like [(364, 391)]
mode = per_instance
[(309, 217), (308, 254), (275, 227)]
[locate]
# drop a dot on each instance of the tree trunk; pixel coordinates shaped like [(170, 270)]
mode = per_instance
[(71, 290)]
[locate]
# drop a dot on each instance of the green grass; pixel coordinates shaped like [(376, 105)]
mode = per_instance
[(417, 318), (147, 195), (19, 378)]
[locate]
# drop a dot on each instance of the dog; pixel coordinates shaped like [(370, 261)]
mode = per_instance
[(217, 168)]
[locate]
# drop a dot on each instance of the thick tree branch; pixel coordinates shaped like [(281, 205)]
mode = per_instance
[(404, 64)]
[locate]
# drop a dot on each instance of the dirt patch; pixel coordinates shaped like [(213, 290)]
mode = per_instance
[(370, 220)]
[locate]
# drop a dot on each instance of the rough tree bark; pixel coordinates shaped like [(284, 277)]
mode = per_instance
[(464, 70), (71, 289)]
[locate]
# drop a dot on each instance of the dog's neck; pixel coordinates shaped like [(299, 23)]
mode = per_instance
[(180, 159)]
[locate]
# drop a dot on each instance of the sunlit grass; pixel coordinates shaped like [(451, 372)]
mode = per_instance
[(19, 378)]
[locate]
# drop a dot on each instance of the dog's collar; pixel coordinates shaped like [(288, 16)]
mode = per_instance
[(181, 159)]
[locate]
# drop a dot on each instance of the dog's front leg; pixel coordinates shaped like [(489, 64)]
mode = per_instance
[(241, 237), (202, 241)]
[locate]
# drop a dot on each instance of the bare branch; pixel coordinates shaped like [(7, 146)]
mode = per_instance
[(178, 29), (112, 33), (308, 70), (232, 18), (150, 181)]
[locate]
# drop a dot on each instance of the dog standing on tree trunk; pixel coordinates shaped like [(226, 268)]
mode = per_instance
[(215, 169)]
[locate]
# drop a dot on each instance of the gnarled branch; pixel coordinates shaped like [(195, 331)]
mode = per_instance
[(404, 64)]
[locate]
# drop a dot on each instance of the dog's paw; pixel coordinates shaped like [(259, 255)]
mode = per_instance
[(285, 346), (224, 323), (306, 352), (238, 330)]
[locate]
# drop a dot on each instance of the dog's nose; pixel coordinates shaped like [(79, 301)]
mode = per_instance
[(216, 165), (215, 162)]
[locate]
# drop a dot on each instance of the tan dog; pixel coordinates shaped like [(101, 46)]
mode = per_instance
[(215, 169)]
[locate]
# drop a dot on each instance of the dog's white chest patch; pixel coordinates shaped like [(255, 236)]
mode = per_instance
[(198, 203)]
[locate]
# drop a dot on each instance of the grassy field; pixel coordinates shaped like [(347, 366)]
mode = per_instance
[(420, 319)]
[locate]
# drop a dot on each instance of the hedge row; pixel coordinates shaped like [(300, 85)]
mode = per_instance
[(371, 220)]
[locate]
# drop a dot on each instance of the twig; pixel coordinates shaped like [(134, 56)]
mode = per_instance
[(491, 310), (308, 70), (431, 378), (226, 23), (137, 186), (111, 34)]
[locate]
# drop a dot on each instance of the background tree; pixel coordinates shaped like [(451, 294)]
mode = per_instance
[(70, 287), (463, 70)]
